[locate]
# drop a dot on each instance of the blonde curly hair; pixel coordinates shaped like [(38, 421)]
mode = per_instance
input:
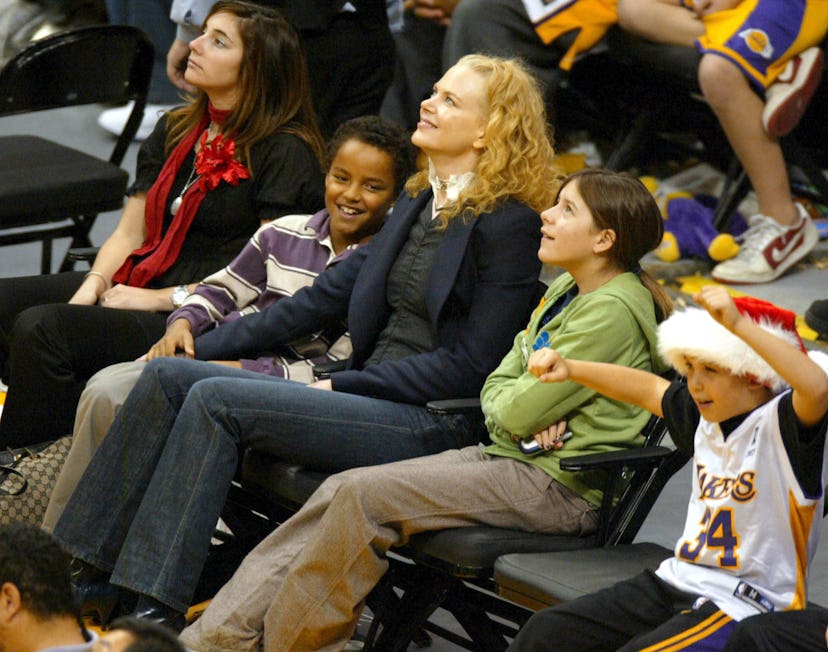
[(517, 160)]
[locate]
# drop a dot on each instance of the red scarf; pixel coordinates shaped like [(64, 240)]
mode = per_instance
[(214, 163)]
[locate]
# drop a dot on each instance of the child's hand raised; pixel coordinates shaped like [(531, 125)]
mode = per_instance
[(718, 302), (548, 366)]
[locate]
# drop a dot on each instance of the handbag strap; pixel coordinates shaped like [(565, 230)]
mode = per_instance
[(10, 470)]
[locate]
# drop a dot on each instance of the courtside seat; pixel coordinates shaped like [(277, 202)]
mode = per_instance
[(539, 580)]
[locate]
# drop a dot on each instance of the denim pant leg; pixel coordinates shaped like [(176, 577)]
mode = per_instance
[(329, 430), (164, 551), (100, 512)]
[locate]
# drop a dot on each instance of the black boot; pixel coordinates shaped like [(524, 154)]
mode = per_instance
[(816, 316), (148, 608), (95, 595)]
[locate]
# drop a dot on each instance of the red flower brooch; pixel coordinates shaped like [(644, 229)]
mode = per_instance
[(215, 162)]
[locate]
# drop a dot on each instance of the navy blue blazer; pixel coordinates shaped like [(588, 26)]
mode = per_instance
[(479, 293)]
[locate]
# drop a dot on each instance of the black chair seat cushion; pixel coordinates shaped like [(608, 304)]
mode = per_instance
[(552, 577), (285, 484), (42, 181), (471, 552)]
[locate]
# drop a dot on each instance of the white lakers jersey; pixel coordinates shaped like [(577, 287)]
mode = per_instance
[(750, 532)]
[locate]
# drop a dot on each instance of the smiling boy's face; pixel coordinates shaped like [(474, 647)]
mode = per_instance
[(720, 395)]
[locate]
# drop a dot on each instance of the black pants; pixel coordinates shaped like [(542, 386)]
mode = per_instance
[(630, 615), (786, 631), (50, 349)]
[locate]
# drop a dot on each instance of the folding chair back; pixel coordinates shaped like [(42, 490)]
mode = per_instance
[(42, 181)]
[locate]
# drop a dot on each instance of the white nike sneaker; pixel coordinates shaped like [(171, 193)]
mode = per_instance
[(113, 120), (768, 249), (786, 99)]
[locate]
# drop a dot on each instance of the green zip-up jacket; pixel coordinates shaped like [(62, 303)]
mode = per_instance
[(614, 323)]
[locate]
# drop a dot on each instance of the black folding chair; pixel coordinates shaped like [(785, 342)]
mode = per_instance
[(546, 579), (453, 568), (48, 190)]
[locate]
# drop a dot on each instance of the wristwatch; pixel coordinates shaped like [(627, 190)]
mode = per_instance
[(179, 295)]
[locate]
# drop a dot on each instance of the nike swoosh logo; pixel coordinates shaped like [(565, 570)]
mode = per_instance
[(780, 247)]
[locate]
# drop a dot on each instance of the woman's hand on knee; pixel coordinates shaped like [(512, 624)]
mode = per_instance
[(93, 286), (126, 297), (177, 340)]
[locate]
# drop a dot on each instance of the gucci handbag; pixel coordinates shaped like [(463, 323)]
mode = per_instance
[(27, 477)]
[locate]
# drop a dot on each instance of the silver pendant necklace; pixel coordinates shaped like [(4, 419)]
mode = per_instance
[(176, 203)]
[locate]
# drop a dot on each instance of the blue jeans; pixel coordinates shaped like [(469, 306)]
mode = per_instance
[(147, 505)]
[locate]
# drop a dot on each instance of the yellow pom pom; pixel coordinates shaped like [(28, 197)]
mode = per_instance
[(722, 247), (668, 250)]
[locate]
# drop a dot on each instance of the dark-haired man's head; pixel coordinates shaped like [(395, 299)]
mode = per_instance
[(37, 604)]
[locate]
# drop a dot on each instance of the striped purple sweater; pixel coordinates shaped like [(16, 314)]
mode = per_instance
[(282, 257)]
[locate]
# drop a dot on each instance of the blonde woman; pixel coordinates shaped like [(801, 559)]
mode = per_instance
[(432, 304)]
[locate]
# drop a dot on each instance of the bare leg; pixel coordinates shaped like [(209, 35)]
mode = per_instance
[(661, 21), (739, 111)]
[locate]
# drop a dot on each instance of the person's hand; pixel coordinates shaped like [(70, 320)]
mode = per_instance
[(718, 302), (550, 438), (706, 7), (439, 11), (126, 297), (547, 366), (323, 384), (87, 294), (177, 57), (177, 340), (234, 364)]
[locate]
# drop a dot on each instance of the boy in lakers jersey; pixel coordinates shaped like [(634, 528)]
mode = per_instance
[(754, 414)]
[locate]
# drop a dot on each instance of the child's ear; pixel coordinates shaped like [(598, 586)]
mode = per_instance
[(10, 602), (605, 241)]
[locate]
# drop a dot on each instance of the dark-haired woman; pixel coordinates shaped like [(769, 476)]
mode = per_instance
[(244, 150)]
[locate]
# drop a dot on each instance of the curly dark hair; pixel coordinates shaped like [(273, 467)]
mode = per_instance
[(36, 564), (383, 134)]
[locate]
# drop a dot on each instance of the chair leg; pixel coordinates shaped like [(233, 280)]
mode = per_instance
[(415, 607), (734, 192), (80, 239), (46, 256), (631, 144)]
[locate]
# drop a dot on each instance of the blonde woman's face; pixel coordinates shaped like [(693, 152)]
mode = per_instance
[(452, 121)]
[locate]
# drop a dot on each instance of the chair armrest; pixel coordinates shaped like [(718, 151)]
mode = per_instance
[(644, 456), (324, 371), (469, 406), (82, 254)]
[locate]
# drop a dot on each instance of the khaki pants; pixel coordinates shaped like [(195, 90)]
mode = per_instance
[(304, 586), (103, 396)]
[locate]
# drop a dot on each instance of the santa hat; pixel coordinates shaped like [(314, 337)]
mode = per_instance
[(694, 333)]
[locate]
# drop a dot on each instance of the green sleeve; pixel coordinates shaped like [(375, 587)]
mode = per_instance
[(598, 328)]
